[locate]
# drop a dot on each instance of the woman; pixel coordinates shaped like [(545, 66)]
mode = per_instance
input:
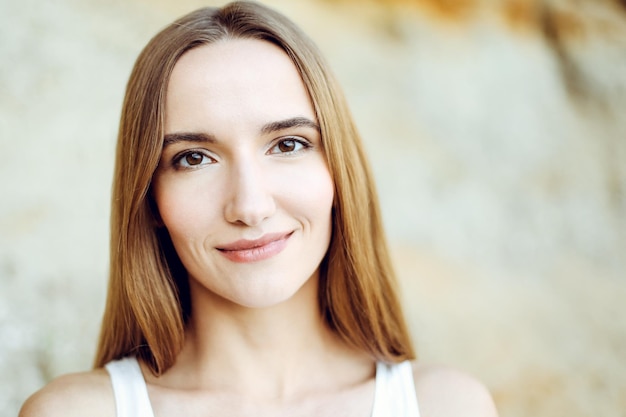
[(249, 271)]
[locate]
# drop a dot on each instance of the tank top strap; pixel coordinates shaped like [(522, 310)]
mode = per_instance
[(395, 391), (129, 388)]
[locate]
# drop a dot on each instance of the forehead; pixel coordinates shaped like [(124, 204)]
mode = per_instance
[(244, 78)]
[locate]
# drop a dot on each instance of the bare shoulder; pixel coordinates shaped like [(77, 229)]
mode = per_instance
[(81, 394), (443, 391)]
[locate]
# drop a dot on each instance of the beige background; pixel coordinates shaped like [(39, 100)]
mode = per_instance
[(497, 133)]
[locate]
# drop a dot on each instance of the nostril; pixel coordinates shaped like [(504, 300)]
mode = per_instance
[(249, 206)]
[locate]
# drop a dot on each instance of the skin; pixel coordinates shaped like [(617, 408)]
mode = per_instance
[(256, 343), (234, 168)]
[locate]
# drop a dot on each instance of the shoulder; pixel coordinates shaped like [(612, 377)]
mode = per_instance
[(443, 391), (81, 394)]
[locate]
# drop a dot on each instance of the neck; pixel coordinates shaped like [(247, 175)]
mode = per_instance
[(274, 352)]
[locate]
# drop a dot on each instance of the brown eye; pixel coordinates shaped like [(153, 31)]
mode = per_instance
[(194, 158), (288, 145)]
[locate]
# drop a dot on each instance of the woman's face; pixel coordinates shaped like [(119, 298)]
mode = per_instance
[(243, 187)]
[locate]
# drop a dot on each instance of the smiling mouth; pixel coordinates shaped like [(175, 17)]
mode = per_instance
[(245, 251)]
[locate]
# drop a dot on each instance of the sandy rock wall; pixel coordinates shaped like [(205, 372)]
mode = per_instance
[(497, 135)]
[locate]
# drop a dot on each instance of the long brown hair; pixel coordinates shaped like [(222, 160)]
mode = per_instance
[(148, 296)]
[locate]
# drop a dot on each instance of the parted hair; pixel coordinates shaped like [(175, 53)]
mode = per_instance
[(148, 301)]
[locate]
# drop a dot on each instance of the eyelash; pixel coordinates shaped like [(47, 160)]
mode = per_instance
[(305, 144), (179, 159)]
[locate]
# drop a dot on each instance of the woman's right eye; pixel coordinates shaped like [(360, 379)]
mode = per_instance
[(192, 159)]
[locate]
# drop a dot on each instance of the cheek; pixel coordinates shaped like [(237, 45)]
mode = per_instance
[(313, 194), (181, 206), (325, 196)]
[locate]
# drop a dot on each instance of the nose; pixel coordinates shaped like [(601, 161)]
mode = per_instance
[(250, 200)]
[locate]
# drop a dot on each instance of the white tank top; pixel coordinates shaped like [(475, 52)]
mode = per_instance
[(394, 393)]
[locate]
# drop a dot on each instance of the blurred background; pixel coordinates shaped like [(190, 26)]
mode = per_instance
[(497, 133)]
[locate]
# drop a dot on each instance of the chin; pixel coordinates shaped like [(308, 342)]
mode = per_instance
[(260, 297)]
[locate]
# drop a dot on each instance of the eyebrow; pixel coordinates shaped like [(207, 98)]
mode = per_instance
[(173, 138), (289, 123)]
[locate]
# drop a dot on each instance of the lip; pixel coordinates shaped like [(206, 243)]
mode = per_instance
[(244, 250)]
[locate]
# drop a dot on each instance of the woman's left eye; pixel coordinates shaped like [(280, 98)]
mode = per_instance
[(288, 146)]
